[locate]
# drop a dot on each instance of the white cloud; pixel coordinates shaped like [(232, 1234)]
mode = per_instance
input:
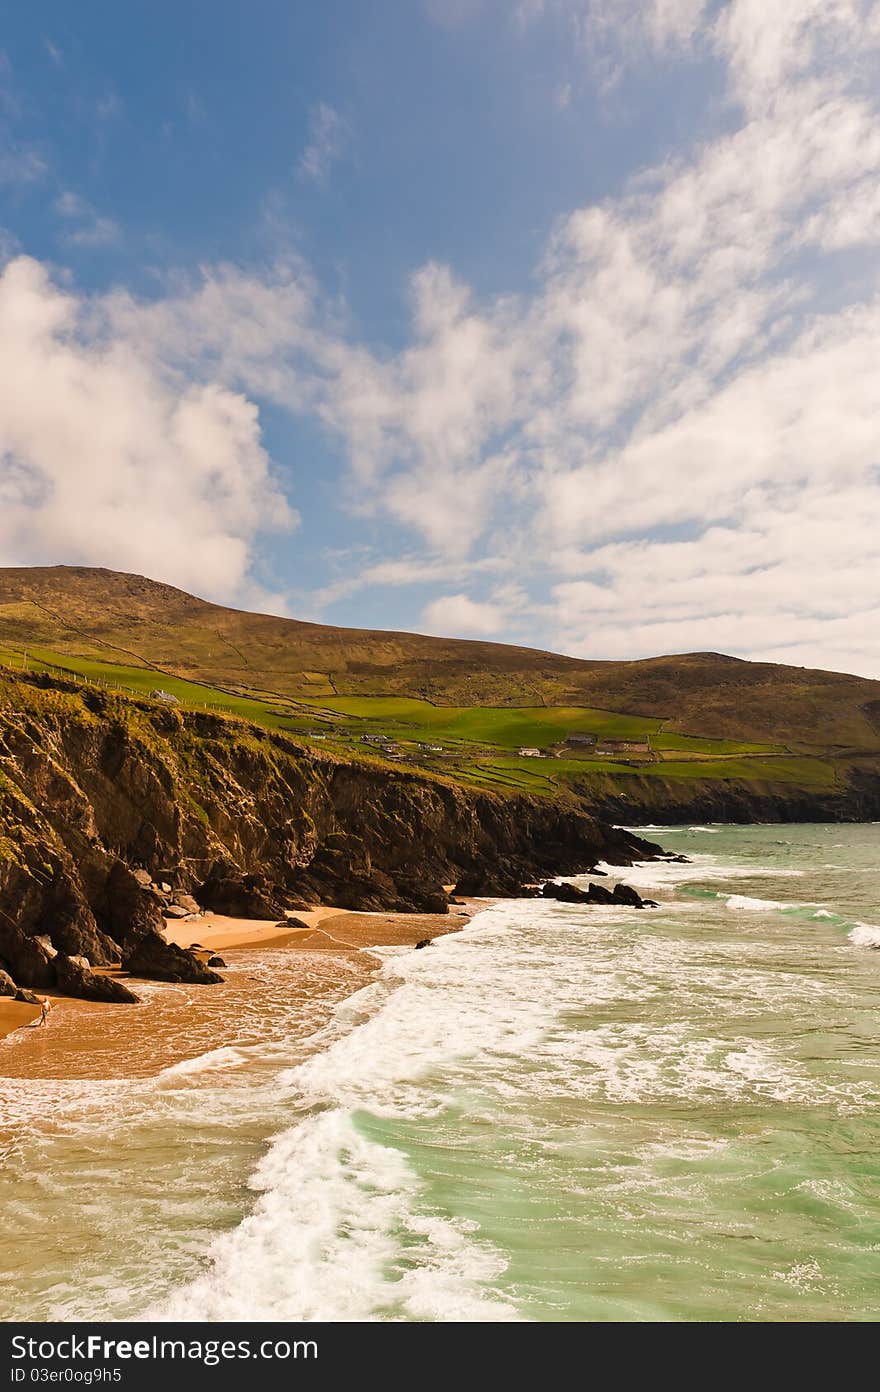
[(688, 359), (674, 432), (109, 457), (329, 134), (86, 228), (457, 616)]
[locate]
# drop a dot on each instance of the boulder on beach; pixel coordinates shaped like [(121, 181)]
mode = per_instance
[(186, 902), (216, 961), (29, 997), (7, 985), (159, 960), (424, 942), (76, 978)]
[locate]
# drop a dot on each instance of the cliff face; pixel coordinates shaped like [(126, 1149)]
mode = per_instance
[(855, 797), (99, 795)]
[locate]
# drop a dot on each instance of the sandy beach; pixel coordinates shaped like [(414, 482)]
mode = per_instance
[(15, 1014), (321, 954), (326, 928)]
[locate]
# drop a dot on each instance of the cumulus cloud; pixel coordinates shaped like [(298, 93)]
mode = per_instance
[(691, 359), (670, 441), (457, 616), (108, 457)]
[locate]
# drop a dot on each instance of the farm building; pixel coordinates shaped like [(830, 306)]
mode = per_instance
[(584, 740), (166, 696), (529, 753)]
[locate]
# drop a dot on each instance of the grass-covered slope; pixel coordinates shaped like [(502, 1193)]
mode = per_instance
[(127, 619), (667, 733)]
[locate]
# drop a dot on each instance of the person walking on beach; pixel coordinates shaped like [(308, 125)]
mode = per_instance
[(44, 1010)]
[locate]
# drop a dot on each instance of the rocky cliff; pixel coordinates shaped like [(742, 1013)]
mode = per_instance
[(854, 797), (102, 798)]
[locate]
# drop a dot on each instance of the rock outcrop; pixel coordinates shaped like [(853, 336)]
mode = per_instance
[(75, 979), (112, 809), (566, 893), (159, 960)]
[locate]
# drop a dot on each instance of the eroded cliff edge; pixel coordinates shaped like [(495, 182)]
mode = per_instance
[(100, 794)]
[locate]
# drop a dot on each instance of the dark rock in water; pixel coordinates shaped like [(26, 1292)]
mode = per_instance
[(240, 896), (75, 979), (215, 961), (7, 985), (567, 893), (598, 894), (624, 894), (159, 960), (423, 942), (29, 997)]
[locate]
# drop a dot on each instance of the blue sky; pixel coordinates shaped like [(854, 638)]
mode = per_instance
[(550, 321)]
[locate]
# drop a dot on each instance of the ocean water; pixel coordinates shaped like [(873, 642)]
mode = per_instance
[(562, 1113)]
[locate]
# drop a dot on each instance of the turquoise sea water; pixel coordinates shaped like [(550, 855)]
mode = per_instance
[(563, 1113)]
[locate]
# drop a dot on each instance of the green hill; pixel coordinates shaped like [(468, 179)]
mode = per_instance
[(664, 736)]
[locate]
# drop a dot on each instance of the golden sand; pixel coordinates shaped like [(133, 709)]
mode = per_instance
[(14, 1014), (324, 961)]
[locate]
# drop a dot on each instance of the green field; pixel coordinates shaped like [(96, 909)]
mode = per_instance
[(554, 775), (507, 727), (477, 741), (140, 681)]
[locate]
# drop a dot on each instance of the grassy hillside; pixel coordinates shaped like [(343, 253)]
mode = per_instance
[(698, 723), (129, 621)]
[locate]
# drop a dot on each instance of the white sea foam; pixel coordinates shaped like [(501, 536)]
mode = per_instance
[(522, 1029), (710, 831), (210, 1062), (660, 874), (865, 935), (745, 902), (336, 1235), (341, 1229)]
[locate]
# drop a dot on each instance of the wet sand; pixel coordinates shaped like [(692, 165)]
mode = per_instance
[(316, 965), (215, 931), (15, 1014)]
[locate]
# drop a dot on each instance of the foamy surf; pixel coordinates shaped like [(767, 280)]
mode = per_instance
[(337, 1235), (865, 935), (564, 1112), (749, 905)]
